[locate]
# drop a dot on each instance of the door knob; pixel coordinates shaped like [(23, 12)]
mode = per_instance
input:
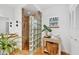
[(75, 39)]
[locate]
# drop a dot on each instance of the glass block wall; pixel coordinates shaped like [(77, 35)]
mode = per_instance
[(34, 34)]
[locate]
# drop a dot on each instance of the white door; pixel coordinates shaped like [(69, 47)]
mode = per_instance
[(75, 32)]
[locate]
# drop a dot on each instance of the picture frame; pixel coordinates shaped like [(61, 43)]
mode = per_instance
[(54, 22)]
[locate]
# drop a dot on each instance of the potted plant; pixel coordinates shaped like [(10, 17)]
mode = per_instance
[(47, 29), (6, 45)]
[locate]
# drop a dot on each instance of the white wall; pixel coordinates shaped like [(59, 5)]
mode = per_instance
[(7, 12), (61, 11)]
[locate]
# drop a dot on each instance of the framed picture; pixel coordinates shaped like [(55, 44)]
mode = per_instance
[(53, 22)]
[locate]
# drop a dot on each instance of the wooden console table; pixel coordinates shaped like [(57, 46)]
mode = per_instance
[(52, 46)]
